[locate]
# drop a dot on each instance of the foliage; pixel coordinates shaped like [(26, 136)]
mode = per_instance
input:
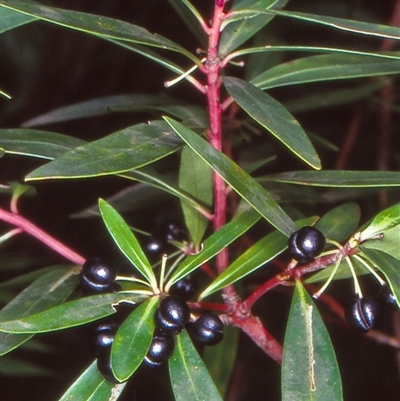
[(237, 192)]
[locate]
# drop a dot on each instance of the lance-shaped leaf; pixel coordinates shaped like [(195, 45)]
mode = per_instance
[(388, 244), (104, 27), (309, 367), (257, 255), (219, 240), (67, 315), (91, 385), (126, 241), (335, 97), (340, 222), (365, 28), (133, 340), (337, 178), (190, 379), (133, 102), (11, 19), (326, 67), (383, 221), (195, 178), (241, 29), (274, 117), (191, 17), (50, 289), (246, 186), (388, 265), (128, 149), (354, 26), (40, 144)]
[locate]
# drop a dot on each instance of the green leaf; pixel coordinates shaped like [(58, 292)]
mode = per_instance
[(69, 314), (340, 222), (91, 386), (130, 148), (220, 359), (127, 242), (365, 28), (383, 221), (331, 98), (309, 366), (258, 255), (40, 144), (103, 27), (195, 178), (50, 289), (337, 178), (237, 32), (151, 55), (325, 67), (190, 379), (140, 195), (191, 17), (11, 19), (388, 244), (133, 340), (360, 27), (134, 102), (219, 240), (248, 188), (21, 368), (388, 265), (273, 117)]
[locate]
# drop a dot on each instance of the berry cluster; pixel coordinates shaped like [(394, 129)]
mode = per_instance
[(361, 313), (171, 318)]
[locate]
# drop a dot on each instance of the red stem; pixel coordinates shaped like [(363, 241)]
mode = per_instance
[(213, 71), (261, 290), (25, 225)]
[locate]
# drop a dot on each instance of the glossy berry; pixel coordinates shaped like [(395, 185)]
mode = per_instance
[(207, 329), (387, 298), (104, 365), (362, 314), (104, 335), (155, 245), (96, 276), (172, 315), (160, 350), (184, 288), (306, 243)]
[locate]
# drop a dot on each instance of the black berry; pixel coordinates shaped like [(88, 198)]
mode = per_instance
[(160, 350), (155, 245), (362, 314), (104, 365), (387, 298), (306, 243), (184, 288), (172, 315), (96, 276), (104, 335), (207, 329)]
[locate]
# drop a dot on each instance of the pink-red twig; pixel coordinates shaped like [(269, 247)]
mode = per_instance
[(28, 227)]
